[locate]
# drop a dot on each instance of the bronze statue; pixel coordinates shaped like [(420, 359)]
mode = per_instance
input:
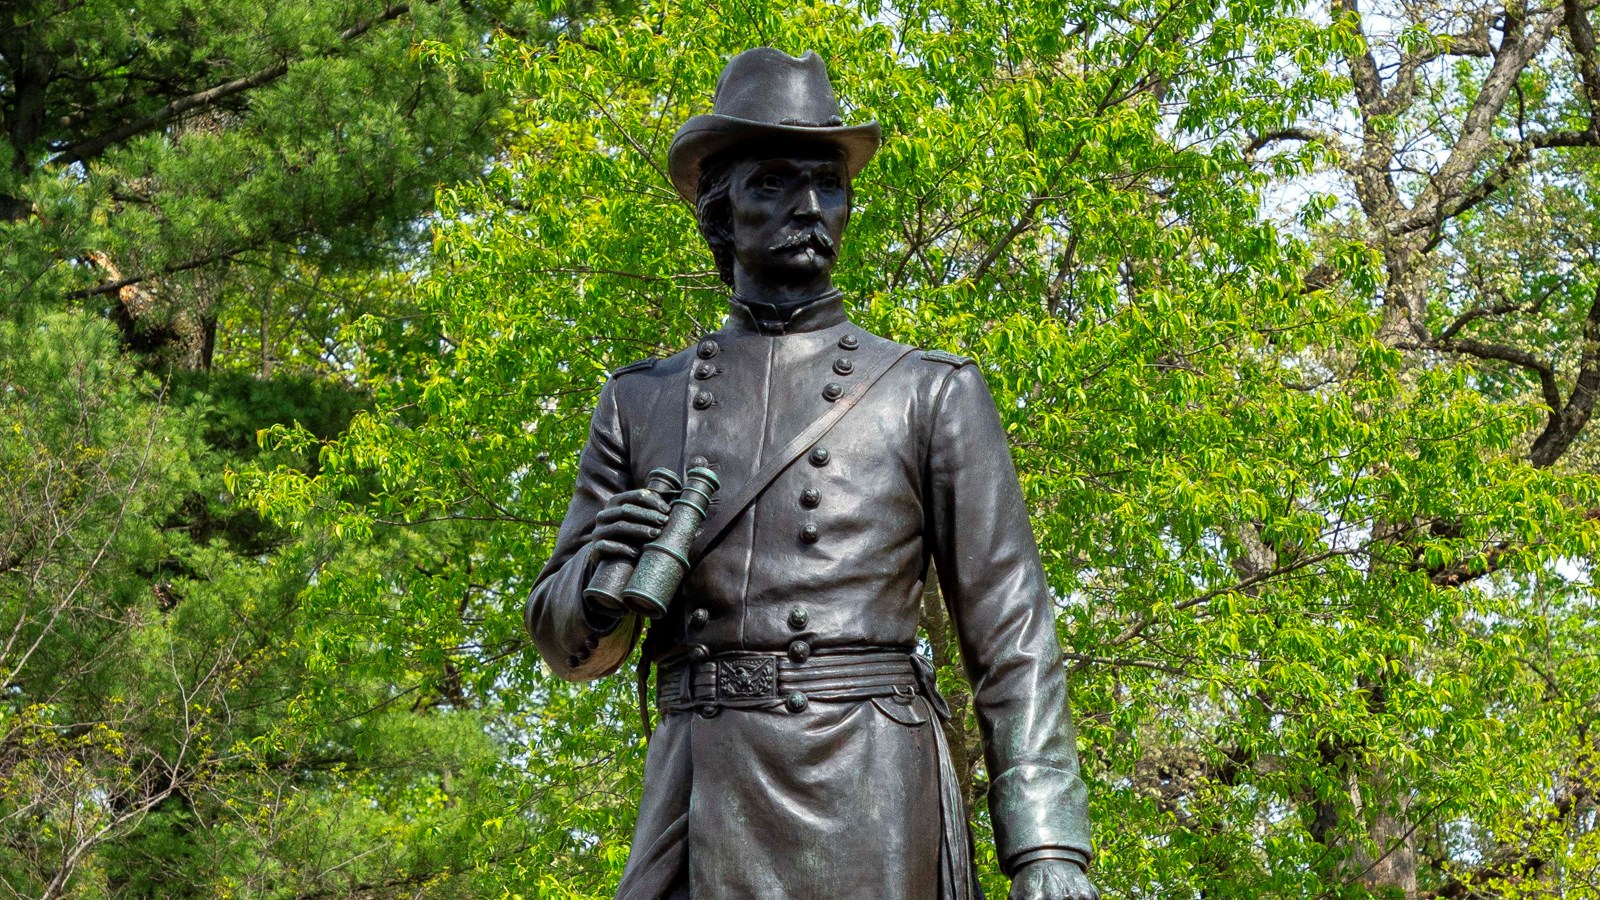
[(798, 752)]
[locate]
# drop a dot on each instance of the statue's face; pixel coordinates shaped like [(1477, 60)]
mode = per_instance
[(788, 212)]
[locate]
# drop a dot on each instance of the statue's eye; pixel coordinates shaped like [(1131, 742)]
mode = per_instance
[(829, 182), (771, 182)]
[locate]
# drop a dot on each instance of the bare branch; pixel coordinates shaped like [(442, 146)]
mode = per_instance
[(1297, 133), (118, 284), (1583, 50), (1438, 200)]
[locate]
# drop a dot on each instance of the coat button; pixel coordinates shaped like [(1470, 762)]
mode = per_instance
[(591, 642), (810, 497), (696, 462), (798, 618), (819, 456), (849, 342), (699, 653), (709, 711), (799, 651), (796, 702), (809, 533), (574, 661), (703, 399), (832, 391), (698, 618), (704, 370), (707, 349), (843, 366)]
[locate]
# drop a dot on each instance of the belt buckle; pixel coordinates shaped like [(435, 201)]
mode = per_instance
[(747, 678)]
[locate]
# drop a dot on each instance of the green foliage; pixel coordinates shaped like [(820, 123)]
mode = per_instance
[(195, 170), (195, 197), (1301, 579), (1313, 594)]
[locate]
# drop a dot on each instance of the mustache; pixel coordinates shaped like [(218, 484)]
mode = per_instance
[(815, 238)]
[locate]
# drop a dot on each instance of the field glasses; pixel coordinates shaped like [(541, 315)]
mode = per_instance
[(647, 586)]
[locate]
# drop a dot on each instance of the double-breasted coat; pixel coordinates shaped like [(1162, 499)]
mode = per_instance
[(838, 800)]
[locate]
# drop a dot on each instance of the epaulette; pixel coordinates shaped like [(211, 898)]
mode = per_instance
[(951, 358), (639, 366)]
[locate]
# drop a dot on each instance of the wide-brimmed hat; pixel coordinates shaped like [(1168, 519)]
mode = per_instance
[(767, 94)]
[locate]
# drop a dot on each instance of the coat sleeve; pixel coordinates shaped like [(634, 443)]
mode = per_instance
[(577, 644), (994, 585)]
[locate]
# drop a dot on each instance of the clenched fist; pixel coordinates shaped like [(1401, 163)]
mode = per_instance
[(623, 526), (1052, 879)]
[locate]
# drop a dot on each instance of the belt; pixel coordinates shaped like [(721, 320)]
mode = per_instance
[(742, 680), (745, 680)]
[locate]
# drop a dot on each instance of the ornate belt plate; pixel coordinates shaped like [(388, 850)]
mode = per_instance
[(740, 679)]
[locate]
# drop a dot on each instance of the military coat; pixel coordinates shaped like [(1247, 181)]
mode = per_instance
[(841, 800)]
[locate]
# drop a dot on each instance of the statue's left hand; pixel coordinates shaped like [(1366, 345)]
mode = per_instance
[(1052, 879)]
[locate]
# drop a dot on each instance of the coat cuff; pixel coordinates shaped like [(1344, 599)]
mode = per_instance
[(1061, 853), (1034, 807), (578, 643)]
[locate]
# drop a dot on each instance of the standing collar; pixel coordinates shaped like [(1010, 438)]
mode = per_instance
[(813, 315)]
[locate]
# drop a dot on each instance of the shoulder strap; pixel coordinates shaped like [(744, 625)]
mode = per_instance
[(730, 507)]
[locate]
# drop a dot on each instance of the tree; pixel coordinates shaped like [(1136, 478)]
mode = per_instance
[(1469, 150), (1316, 492), (192, 197), (170, 165), (1324, 613)]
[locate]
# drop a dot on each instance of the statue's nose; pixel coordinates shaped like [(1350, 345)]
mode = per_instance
[(810, 206)]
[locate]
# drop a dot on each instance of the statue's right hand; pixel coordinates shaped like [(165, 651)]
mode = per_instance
[(627, 522)]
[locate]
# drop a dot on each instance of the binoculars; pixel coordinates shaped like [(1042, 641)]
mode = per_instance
[(647, 586)]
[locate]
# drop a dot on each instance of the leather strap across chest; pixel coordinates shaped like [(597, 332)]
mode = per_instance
[(725, 512)]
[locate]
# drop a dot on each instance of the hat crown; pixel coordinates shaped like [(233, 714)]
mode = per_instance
[(766, 94), (767, 85)]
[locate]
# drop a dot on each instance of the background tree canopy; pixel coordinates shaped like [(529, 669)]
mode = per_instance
[(1293, 314)]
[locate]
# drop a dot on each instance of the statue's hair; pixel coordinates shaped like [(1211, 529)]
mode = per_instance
[(713, 211)]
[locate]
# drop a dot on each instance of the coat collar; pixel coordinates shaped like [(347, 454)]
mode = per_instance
[(815, 315)]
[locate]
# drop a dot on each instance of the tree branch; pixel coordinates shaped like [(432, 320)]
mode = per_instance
[(1517, 156), (98, 144), (1024, 223), (1583, 51), (1297, 133), (1516, 50), (111, 287), (1472, 42), (1484, 350), (1567, 422)]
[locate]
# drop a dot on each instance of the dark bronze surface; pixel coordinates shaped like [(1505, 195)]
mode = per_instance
[(799, 752), (605, 589), (663, 561)]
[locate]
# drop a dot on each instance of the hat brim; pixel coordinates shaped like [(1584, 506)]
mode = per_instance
[(706, 135)]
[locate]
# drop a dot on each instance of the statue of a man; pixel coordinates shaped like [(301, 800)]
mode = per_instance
[(799, 752)]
